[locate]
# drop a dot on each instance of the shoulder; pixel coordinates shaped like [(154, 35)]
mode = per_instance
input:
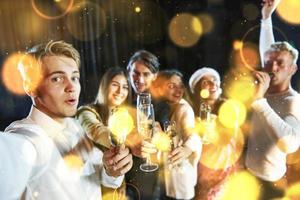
[(184, 108), (93, 109)]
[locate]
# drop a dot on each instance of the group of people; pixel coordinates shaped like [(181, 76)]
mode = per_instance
[(61, 152)]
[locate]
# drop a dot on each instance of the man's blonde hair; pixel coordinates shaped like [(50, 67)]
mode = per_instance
[(30, 65), (284, 46)]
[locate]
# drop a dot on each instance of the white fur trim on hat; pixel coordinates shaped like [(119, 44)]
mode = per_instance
[(197, 75)]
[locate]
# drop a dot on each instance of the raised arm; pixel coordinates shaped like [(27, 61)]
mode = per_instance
[(266, 37)]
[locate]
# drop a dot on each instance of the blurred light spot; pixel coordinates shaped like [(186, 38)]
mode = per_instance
[(293, 192), (52, 11), (241, 186), (288, 10), (137, 9), (146, 27), (204, 93), (185, 30), (245, 55), (237, 45), (242, 88), (207, 23), (162, 141), (232, 113), (250, 11), (11, 76), (86, 21), (224, 150), (73, 162), (35, 194), (121, 124)]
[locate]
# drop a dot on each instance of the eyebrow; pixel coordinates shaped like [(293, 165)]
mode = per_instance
[(61, 72)]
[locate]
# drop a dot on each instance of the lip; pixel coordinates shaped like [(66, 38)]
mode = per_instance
[(71, 101)]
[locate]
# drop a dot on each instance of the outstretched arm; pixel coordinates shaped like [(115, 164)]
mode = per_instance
[(266, 37)]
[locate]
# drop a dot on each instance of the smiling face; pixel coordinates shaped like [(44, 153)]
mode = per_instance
[(141, 77), (58, 92), (173, 89), (209, 83), (118, 90)]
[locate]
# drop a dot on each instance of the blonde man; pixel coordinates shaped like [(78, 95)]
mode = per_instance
[(276, 121), (46, 155)]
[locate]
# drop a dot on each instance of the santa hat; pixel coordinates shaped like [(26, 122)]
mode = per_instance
[(197, 75)]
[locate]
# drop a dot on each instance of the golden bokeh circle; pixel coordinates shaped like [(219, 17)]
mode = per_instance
[(65, 6), (185, 30)]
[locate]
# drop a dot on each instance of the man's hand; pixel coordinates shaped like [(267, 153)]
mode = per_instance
[(117, 161), (268, 7), (263, 79)]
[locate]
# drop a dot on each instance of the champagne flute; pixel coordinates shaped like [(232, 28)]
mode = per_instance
[(205, 117), (170, 130), (145, 123)]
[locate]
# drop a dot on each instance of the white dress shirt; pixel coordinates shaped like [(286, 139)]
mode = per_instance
[(49, 160)]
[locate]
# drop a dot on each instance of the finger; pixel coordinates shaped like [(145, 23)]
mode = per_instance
[(122, 163), (147, 144), (126, 168), (121, 154)]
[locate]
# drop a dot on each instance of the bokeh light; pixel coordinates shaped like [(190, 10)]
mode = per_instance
[(288, 10), (207, 22), (204, 93), (146, 24), (245, 54), (250, 11), (293, 191), (242, 87), (162, 141), (185, 30), (241, 186), (224, 150), (86, 21), (121, 124), (73, 162), (51, 11), (11, 76), (137, 9), (232, 113)]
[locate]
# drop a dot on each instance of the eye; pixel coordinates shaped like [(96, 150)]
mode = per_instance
[(57, 79), (76, 78)]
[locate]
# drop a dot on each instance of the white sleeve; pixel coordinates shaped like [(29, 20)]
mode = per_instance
[(110, 181), (17, 155), (286, 129), (266, 37)]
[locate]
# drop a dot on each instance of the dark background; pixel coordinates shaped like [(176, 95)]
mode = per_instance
[(108, 32)]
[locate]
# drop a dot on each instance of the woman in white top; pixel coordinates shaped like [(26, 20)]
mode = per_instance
[(181, 162)]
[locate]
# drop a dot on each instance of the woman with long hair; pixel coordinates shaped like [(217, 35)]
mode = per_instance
[(180, 168), (114, 91)]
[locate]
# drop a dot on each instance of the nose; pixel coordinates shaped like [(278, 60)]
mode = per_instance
[(70, 86), (141, 79)]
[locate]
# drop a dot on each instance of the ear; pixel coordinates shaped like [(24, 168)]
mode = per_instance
[(154, 76), (220, 91), (294, 69)]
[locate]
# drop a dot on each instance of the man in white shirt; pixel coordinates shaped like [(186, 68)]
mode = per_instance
[(276, 119), (47, 155)]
